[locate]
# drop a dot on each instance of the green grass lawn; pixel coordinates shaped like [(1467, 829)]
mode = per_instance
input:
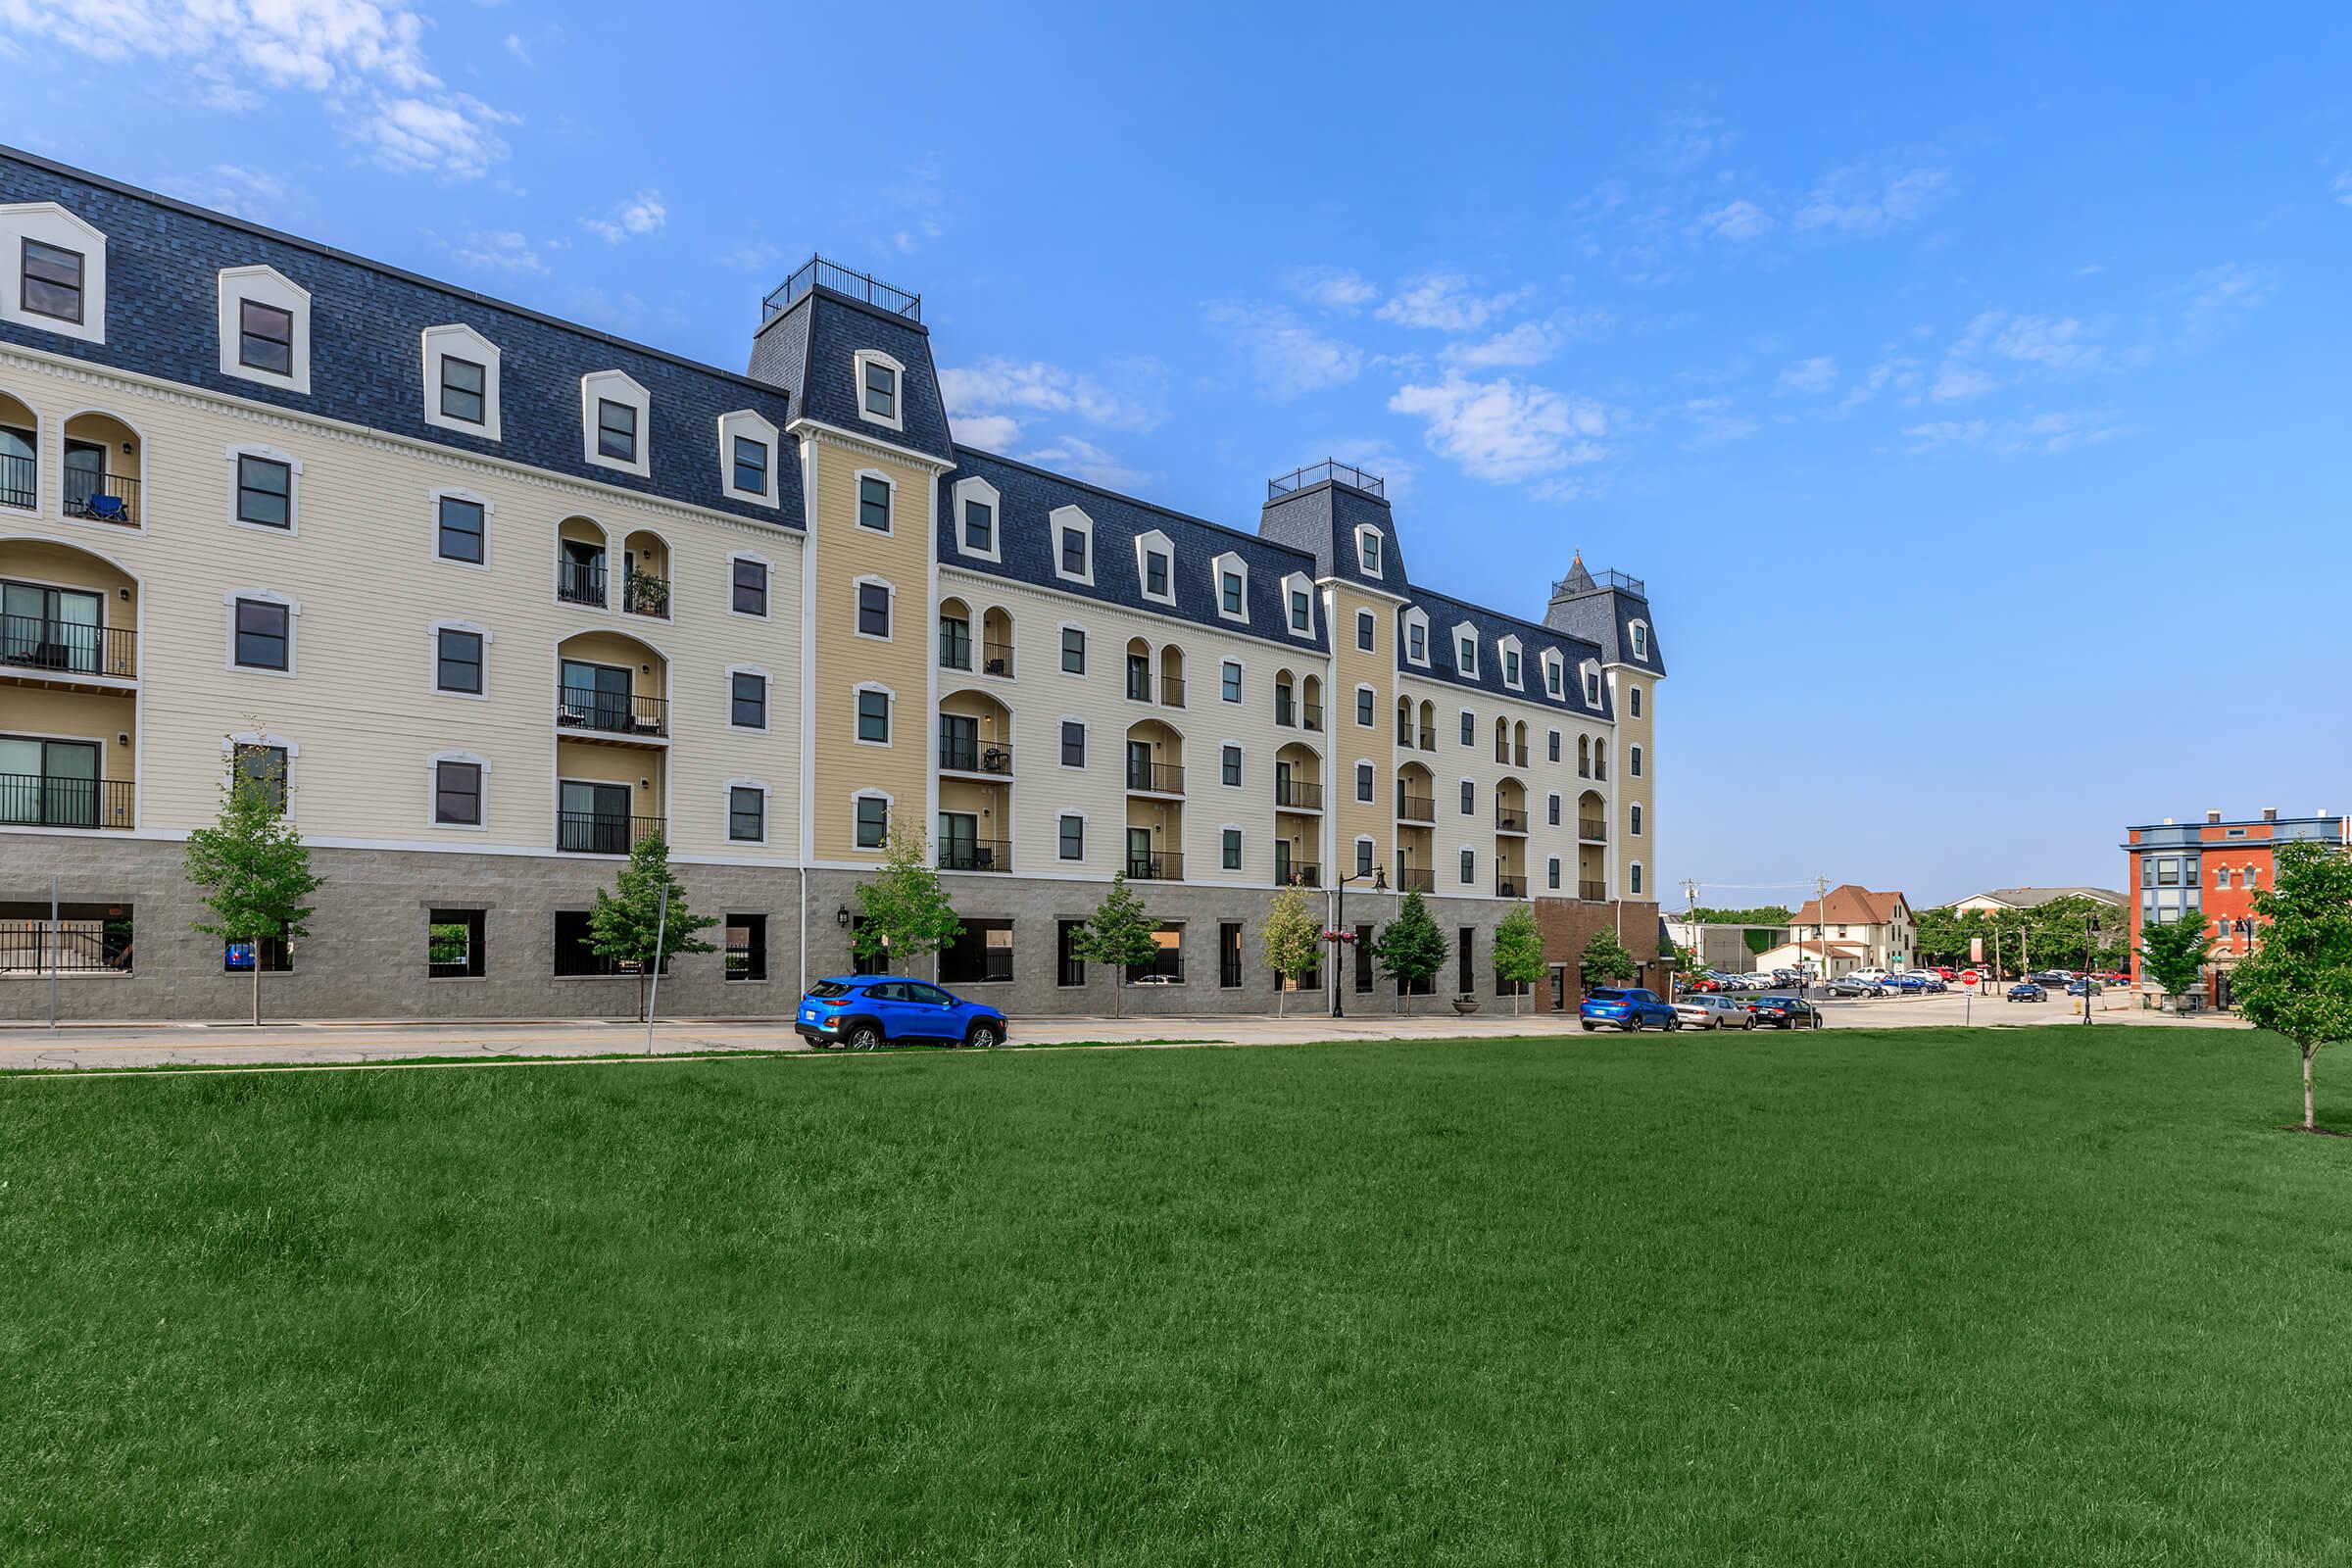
[(1917, 1296)]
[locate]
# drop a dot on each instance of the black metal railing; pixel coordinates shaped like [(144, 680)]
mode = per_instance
[(1518, 757), (1314, 717), (35, 642), (1171, 691), (976, 855), (1429, 740), (1315, 473), (1416, 809), (955, 652), (70, 946), (102, 497), (644, 594), (33, 800), (596, 833), (1164, 778), (995, 658), (1593, 892), (1601, 579), (1296, 793), (1139, 685), (580, 582), (1600, 771), (19, 482), (609, 712), (1286, 711), (1168, 866), (1417, 879), (975, 756), (817, 272), (1508, 820), (1584, 768), (1299, 875), (1593, 830), (1508, 886)]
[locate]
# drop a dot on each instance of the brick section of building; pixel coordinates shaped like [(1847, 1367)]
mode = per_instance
[(1568, 924)]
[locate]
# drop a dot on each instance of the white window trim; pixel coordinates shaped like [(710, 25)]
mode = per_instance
[(767, 701), (1633, 698), (750, 423), (1299, 582), (265, 285), (1589, 676), (1555, 672), (1240, 684), (1413, 618), (1633, 820), (432, 524), (1217, 569), (858, 361), (1632, 761), (1068, 517), (433, 657), (1637, 637), (618, 386), (1086, 735), (858, 502), (1472, 715), (765, 566), (465, 343), (1379, 568), (726, 810), (293, 527), (1365, 841), (1457, 795), (1551, 874), (1365, 620), (1146, 542), (1362, 763), (1224, 828), (1060, 817), (432, 791), (1242, 779), (293, 609), (1087, 641), (890, 810), (1555, 749), (890, 591), (257, 737), (858, 690), (1503, 650), (1633, 877), (1459, 630), (976, 489), (52, 224), (1364, 690)]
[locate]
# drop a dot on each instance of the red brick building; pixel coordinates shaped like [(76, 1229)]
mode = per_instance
[(2215, 868)]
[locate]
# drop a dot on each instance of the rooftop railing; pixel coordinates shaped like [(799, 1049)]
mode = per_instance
[(1330, 469), (1603, 579), (864, 287)]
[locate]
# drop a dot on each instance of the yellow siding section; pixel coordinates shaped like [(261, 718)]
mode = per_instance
[(1350, 742)]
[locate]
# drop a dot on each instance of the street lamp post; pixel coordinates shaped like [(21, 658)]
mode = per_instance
[(2090, 949), (1338, 926)]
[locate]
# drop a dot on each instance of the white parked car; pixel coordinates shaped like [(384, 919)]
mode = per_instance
[(1714, 1012)]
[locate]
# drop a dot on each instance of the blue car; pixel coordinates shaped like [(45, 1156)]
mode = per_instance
[(1627, 1009), (865, 1010), (1903, 982)]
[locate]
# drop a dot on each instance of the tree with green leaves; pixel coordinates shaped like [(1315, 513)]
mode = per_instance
[(2174, 954), (1765, 915), (1410, 949), (630, 926), (1120, 933), (1604, 961), (906, 910), (2298, 980), (252, 863), (1519, 952), (1294, 940)]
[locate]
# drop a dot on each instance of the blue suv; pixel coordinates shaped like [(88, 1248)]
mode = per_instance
[(1628, 1010), (863, 1011)]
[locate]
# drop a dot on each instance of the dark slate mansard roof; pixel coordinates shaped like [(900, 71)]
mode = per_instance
[(367, 322), (1321, 518), (811, 351), (1603, 613), (1445, 658)]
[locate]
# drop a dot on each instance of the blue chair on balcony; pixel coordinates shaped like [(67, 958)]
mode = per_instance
[(99, 507)]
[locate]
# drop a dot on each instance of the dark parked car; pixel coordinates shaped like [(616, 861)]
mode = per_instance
[(2084, 986), (1627, 1009), (1850, 986), (2028, 991), (1788, 1012), (862, 1011)]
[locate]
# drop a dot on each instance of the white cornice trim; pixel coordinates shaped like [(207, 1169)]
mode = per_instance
[(868, 444)]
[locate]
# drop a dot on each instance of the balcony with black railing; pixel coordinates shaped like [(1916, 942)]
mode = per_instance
[(995, 658), (1417, 879), (1593, 892), (1155, 778), (1299, 875), (1139, 685), (102, 497), (598, 833), (1313, 716), (642, 593), (1297, 794), (1330, 469), (1159, 866), (20, 481), (594, 712), (1592, 830), (1171, 691), (976, 855), (581, 582), (959, 754), (1510, 885), (1416, 809), (817, 272), (1509, 820), (38, 644), (1429, 740), (35, 800)]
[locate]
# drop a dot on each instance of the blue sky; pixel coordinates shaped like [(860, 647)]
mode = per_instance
[(1969, 391)]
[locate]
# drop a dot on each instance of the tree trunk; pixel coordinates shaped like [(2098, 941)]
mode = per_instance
[(257, 982), (641, 993), (1282, 997), (2308, 1052)]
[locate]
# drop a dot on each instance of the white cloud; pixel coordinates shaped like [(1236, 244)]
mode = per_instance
[(1505, 431), (500, 249), (641, 214), (1528, 343), (1689, 140), (1956, 383), (995, 431), (1004, 392), (2220, 297), (1088, 462), (1860, 200), (1901, 373), (1447, 302), (2035, 433), (2343, 187), (517, 48), (366, 60), (1717, 422), (1335, 288), (1737, 219), (1995, 340), (1807, 377), (229, 188), (1287, 357), (759, 257)]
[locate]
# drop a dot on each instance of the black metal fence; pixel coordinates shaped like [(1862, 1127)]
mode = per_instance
[(1315, 473), (102, 497), (35, 642), (973, 755), (1163, 867), (1164, 778), (580, 582), (975, 854), (1297, 794), (817, 272), (19, 482), (611, 713), (68, 947), (30, 800), (595, 833)]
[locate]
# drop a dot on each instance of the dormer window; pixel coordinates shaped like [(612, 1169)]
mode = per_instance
[(1416, 638), (1231, 576), (979, 528), (464, 390), (1592, 687), (1229, 590), (461, 380), (1073, 545), (751, 465), (1301, 611), (52, 271), (1465, 652), (1298, 594), (973, 523), (1367, 550), (264, 337), (880, 380), (747, 457), (615, 430), (265, 327), (615, 410), (1552, 674), (1640, 634), (1155, 557), (1155, 573), (53, 281), (1511, 661), (881, 391)]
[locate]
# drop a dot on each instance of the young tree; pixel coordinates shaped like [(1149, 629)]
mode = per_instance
[(253, 865), (2175, 954), (2298, 981), (1294, 939), (1410, 949), (628, 925), (905, 909), (1519, 952), (1119, 934), (1605, 961)]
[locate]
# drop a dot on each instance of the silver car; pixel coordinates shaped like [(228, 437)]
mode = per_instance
[(1714, 1012)]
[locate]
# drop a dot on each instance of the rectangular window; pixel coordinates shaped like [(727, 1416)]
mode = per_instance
[(1302, 610), (1469, 730), (1233, 848), (264, 492), (1633, 700), (264, 767), (1363, 710), (873, 609), (747, 701), (458, 792), (1554, 746), (1073, 743), (574, 956), (881, 391), (874, 963), (1416, 642), (750, 465), (1229, 592), (1073, 552), (457, 662), (1167, 962), (1592, 690), (982, 952), (1463, 969), (52, 281), (1551, 874), (1363, 960), (1230, 681), (464, 387), (1363, 781), (1229, 955), (747, 814), (1363, 857), (1069, 968), (1468, 656), (873, 504), (616, 430), (1155, 573), (1073, 838), (264, 639), (874, 716), (1364, 630), (1552, 805), (454, 946), (873, 821), (1367, 548), (979, 528), (1511, 666), (460, 534), (237, 957), (1469, 798), (1632, 763), (747, 947), (1469, 866), (954, 643), (751, 588), (264, 337), (1230, 761), (1551, 679), (1073, 651)]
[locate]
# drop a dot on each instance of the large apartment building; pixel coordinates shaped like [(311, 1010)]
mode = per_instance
[(494, 595), (2215, 868)]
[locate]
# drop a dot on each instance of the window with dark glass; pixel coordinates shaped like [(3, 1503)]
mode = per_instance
[(1229, 590), (264, 337), (457, 662), (1364, 630), (979, 527), (1633, 879), (1469, 730), (458, 792), (1230, 681), (458, 532), (954, 642), (454, 947), (873, 504), (751, 588), (616, 430), (873, 821), (981, 954), (1073, 744), (264, 492), (1633, 702), (1232, 766), (1232, 849), (1466, 654), (873, 609), (1073, 837), (747, 701), (1229, 955), (750, 465), (1073, 651), (1552, 871), (1469, 866), (881, 391), (1632, 763), (1363, 708), (1416, 642), (1363, 854), (1363, 960), (1511, 666), (747, 814), (1551, 680), (1302, 614), (874, 716), (1069, 968), (52, 281), (1463, 968), (265, 635), (1634, 821), (1167, 959), (1552, 807), (1073, 552), (1363, 781), (264, 767), (1553, 747), (464, 387), (1155, 573), (1469, 798), (747, 947)]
